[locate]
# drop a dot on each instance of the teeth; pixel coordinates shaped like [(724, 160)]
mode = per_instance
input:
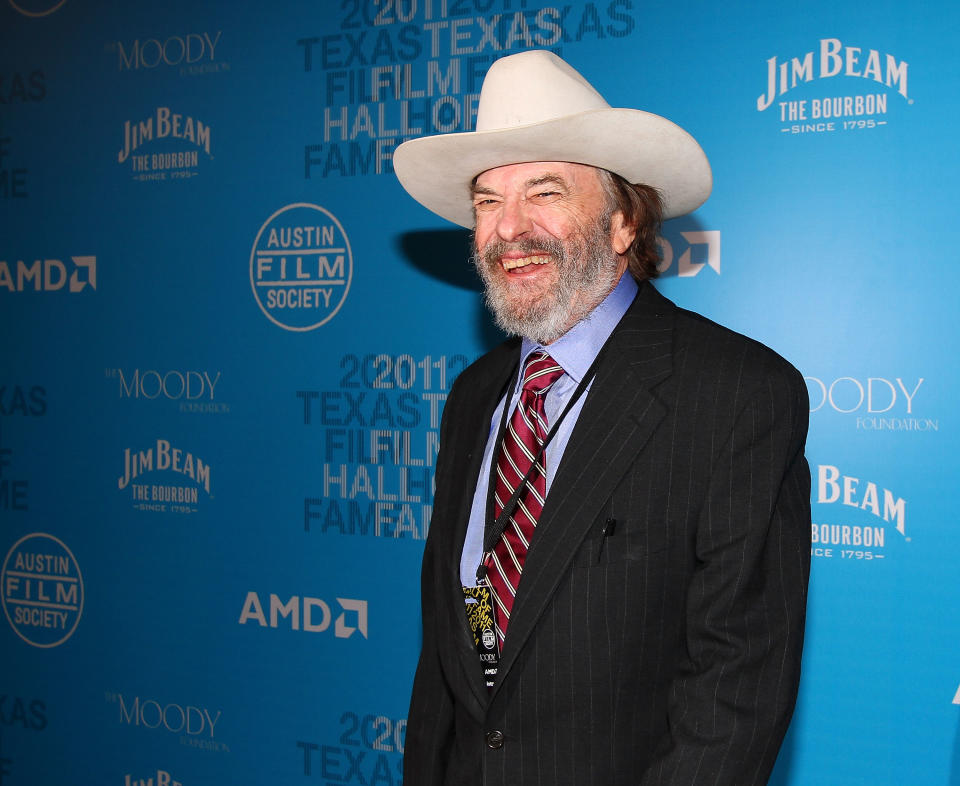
[(511, 264)]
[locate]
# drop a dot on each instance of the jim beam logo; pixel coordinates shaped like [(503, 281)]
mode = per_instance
[(149, 492), (155, 778), (852, 515), (882, 77), (164, 145)]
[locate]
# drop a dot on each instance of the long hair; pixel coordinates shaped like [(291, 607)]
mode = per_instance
[(642, 208)]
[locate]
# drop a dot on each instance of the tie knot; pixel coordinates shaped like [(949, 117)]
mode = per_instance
[(540, 372)]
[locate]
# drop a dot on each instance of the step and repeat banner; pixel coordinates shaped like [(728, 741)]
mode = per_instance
[(228, 336)]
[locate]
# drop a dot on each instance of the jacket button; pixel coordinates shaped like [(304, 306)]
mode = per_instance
[(495, 739)]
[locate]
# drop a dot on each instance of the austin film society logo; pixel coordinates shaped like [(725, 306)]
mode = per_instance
[(36, 8), (42, 590), (165, 145), (150, 493), (848, 105), (301, 266)]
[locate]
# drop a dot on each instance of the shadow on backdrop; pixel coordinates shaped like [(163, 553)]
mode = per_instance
[(444, 254), (673, 245)]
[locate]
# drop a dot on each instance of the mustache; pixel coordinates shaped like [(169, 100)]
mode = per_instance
[(491, 253)]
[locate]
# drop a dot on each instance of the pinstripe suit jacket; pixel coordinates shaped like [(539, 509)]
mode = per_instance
[(668, 652)]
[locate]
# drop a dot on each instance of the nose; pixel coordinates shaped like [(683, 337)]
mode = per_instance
[(513, 220)]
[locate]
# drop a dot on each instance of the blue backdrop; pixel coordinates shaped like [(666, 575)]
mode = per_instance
[(228, 336)]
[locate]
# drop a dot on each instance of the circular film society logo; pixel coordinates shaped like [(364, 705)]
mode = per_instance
[(301, 266), (42, 590), (36, 7)]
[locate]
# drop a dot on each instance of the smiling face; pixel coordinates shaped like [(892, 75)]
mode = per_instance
[(547, 245)]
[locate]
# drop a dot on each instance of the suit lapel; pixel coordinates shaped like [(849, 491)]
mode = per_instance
[(619, 416), (472, 430)]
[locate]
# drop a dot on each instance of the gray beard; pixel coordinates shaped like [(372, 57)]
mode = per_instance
[(586, 273)]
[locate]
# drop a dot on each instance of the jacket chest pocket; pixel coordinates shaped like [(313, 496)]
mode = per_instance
[(614, 539)]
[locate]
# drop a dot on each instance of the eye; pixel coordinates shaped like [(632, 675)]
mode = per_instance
[(546, 195)]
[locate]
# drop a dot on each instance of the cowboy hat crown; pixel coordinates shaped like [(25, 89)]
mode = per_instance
[(535, 107)]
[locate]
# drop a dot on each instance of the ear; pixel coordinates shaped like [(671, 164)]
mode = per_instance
[(621, 233)]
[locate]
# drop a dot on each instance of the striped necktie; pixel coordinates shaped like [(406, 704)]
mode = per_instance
[(521, 442)]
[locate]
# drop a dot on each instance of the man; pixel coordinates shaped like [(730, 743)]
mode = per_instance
[(638, 466)]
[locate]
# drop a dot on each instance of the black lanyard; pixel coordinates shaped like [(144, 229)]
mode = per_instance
[(494, 529)]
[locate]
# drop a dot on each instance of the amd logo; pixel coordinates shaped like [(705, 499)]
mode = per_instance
[(309, 614), (48, 275)]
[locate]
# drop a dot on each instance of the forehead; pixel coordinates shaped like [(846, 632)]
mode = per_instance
[(518, 176)]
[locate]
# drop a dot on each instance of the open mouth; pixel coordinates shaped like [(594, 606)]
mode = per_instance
[(522, 262)]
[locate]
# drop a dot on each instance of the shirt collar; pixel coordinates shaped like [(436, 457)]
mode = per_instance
[(576, 349)]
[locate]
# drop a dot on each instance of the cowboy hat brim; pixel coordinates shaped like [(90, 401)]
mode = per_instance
[(639, 146)]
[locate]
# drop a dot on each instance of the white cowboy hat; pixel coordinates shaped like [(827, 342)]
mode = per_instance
[(535, 107)]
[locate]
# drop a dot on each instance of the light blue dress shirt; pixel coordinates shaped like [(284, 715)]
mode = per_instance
[(574, 351)]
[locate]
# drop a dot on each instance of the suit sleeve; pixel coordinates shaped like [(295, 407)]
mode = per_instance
[(430, 719), (731, 702)]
